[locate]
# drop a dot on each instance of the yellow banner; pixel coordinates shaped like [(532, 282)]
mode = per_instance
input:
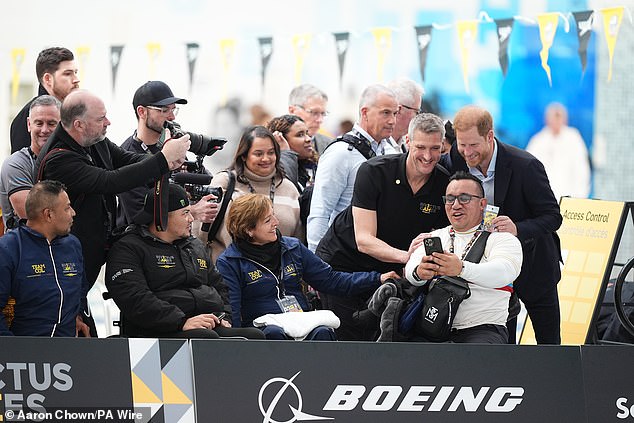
[(547, 29), (17, 58), (467, 33), (611, 23), (154, 51), (588, 234), (301, 45), (81, 54), (383, 44), (227, 55)]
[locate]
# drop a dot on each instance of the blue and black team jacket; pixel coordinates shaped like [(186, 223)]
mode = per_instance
[(254, 289), (46, 280)]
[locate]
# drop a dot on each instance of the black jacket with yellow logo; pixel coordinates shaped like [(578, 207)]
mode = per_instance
[(158, 285)]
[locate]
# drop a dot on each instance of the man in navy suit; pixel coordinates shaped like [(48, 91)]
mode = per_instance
[(516, 182)]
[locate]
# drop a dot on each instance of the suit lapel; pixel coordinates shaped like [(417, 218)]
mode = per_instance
[(503, 174)]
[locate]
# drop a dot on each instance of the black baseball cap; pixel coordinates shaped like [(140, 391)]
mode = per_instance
[(155, 93), (177, 199)]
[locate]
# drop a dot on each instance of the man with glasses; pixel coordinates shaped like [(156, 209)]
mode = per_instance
[(154, 104), (482, 316), (516, 182), (310, 103), (396, 198), (409, 95)]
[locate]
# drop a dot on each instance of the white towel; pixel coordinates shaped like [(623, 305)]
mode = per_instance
[(298, 325)]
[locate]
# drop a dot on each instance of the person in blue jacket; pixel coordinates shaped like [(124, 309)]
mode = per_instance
[(42, 268), (267, 273)]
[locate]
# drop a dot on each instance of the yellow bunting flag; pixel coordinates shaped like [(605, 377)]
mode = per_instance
[(383, 44), (301, 45), (467, 33), (154, 50), (227, 54), (547, 29), (17, 58), (82, 53), (611, 23)]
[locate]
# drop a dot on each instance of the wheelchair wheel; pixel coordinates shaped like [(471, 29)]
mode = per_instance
[(618, 300)]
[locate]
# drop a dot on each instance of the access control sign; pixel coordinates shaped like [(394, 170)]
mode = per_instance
[(285, 382)]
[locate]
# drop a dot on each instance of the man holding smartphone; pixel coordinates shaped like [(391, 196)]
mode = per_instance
[(396, 197), (481, 318), (165, 283)]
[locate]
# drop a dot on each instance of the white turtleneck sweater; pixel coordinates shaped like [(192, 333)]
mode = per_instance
[(499, 267)]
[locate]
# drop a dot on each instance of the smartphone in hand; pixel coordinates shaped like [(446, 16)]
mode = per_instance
[(432, 245)]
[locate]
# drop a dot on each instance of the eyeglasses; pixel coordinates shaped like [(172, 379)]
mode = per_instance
[(164, 110), (462, 198), (418, 111), (313, 113)]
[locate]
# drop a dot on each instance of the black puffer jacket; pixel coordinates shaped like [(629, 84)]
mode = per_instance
[(158, 285)]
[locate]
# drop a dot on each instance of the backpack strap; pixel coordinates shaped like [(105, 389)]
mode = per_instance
[(223, 208), (40, 170), (359, 142), (477, 249)]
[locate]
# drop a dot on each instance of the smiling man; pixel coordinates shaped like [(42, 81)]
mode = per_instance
[(396, 198), (482, 316), (516, 182), (16, 177), (338, 165)]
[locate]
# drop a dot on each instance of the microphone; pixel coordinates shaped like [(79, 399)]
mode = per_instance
[(192, 178)]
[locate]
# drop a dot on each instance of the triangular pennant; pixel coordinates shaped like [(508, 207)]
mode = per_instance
[(17, 58), (301, 45), (504, 29), (192, 57), (611, 23), (547, 29), (227, 54), (584, 30), (383, 44), (266, 50), (115, 59), (154, 51), (467, 33), (342, 41), (81, 54), (423, 39)]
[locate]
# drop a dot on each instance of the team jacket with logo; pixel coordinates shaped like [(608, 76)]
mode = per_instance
[(158, 285), (46, 280), (253, 289)]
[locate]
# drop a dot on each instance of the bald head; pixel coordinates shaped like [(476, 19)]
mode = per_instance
[(83, 116)]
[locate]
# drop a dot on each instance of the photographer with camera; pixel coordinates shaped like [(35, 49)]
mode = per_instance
[(94, 170), (155, 107)]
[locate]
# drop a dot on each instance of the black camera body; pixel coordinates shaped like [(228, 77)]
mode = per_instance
[(200, 144), (197, 185)]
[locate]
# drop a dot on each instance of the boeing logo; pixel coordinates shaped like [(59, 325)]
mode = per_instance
[(382, 398), (297, 413)]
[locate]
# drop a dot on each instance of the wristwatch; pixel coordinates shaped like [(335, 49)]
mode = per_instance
[(415, 275)]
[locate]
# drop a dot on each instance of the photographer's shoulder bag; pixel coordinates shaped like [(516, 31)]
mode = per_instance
[(444, 296), (213, 230)]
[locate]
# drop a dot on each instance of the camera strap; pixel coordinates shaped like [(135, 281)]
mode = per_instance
[(161, 202), (223, 208)]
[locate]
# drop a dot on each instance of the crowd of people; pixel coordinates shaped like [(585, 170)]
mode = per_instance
[(300, 222)]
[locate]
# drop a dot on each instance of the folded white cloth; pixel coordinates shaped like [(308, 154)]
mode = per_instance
[(298, 325)]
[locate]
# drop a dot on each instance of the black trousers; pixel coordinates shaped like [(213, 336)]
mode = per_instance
[(545, 317), (344, 307), (217, 332)]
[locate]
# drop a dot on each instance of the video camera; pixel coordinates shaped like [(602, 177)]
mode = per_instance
[(197, 185)]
